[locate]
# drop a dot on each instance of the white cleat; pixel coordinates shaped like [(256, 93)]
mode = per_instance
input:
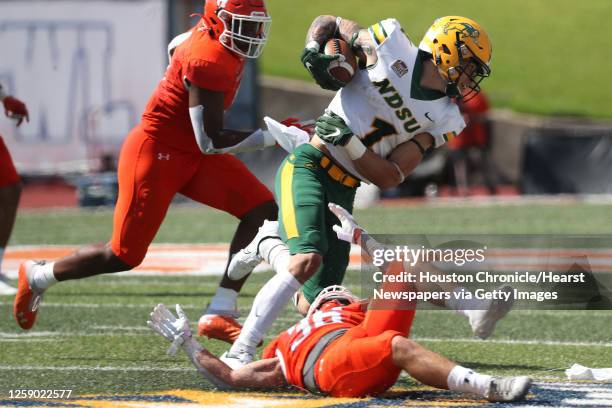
[(5, 288), (483, 321), (245, 260), (236, 360), (507, 389)]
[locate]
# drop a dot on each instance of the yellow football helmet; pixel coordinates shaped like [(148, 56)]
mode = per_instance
[(459, 46)]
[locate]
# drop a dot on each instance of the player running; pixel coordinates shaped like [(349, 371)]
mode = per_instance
[(376, 129), (175, 149), (341, 350), (10, 184)]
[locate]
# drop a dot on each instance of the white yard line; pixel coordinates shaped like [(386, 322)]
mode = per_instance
[(102, 305), (518, 342), (144, 331), (93, 368)]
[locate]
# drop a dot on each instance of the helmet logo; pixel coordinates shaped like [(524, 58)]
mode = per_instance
[(222, 3), (465, 30)]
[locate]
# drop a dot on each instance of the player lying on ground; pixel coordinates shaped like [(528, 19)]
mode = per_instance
[(10, 184), (341, 350), (376, 129)]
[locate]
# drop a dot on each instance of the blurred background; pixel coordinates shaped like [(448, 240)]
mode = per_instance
[(86, 69)]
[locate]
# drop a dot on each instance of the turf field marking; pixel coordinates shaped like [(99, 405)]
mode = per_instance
[(585, 387), (292, 320), (144, 331), (94, 368), (519, 342), (34, 335), (211, 259), (101, 305), (122, 328)]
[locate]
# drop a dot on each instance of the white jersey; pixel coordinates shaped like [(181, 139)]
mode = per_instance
[(385, 106)]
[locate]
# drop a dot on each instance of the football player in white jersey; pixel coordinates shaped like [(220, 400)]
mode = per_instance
[(376, 130)]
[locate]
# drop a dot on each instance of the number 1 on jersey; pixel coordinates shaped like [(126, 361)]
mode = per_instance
[(381, 130)]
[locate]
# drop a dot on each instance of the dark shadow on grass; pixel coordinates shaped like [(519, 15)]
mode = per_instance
[(496, 366)]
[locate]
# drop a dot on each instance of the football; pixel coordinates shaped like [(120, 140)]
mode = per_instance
[(344, 68)]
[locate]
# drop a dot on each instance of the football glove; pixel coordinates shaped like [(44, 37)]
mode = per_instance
[(348, 230), (15, 109), (169, 326), (332, 129), (317, 64)]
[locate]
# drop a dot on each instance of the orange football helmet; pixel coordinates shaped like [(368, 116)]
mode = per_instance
[(240, 25), (337, 293)]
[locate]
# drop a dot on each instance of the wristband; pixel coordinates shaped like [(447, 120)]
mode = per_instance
[(418, 144), (355, 148), (313, 45), (399, 170)]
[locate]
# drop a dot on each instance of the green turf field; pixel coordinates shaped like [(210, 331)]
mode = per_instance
[(192, 223), (91, 335), (547, 56)]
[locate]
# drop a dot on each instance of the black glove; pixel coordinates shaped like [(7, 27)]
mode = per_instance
[(318, 64), (332, 129)]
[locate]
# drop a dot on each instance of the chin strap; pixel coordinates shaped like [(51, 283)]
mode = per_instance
[(452, 90)]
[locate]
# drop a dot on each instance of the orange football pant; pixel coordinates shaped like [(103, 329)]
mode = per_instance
[(360, 362), (150, 173)]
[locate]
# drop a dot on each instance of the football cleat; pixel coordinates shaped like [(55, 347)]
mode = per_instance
[(5, 288), (483, 321), (238, 359), (507, 389), (244, 261), (224, 328), (27, 299)]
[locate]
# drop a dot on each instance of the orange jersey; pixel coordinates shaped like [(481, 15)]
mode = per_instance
[(203, 62), (293, 345)]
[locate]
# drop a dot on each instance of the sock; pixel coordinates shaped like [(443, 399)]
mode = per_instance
[(268, 244), (277, 255), (465, 380), (268, 304), (224, 299), (42, 276), (463, 306)]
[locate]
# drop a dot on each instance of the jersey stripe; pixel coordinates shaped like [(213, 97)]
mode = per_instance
[(287, 208), (377, 31), (450, 136)]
